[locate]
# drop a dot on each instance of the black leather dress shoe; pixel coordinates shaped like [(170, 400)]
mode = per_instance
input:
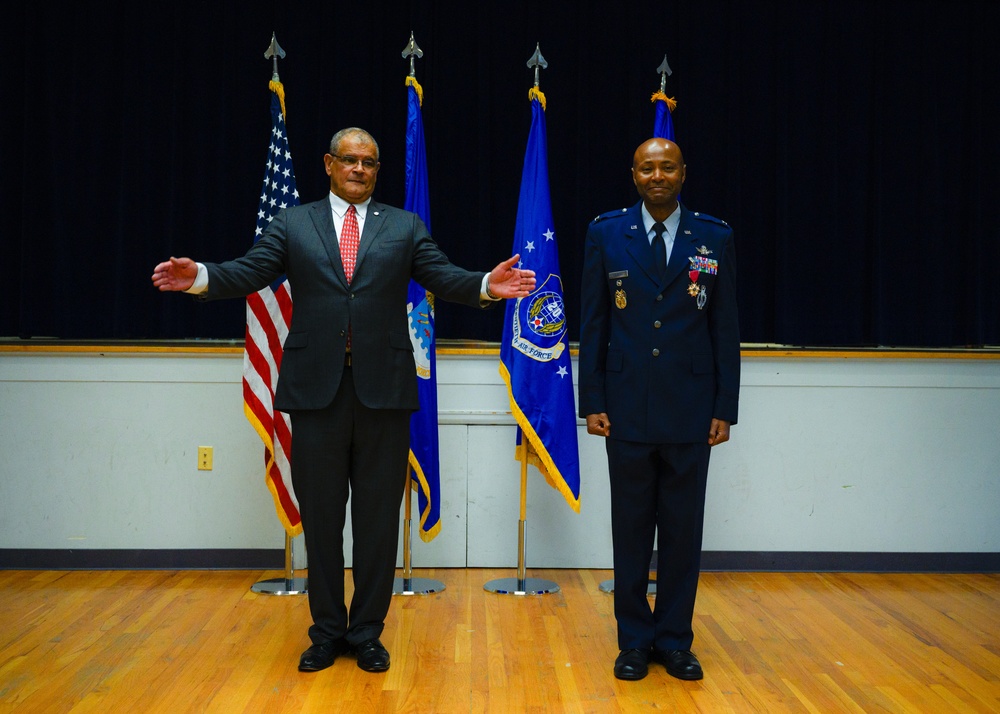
[(679, 663), (632, 664), (372, 656), (322, 655)]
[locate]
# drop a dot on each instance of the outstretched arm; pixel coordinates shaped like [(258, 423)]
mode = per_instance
[(175, 275), (506, 281)]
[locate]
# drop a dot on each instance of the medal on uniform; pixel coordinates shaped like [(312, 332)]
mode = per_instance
[(620, 299), (700, 264), (693, 288)]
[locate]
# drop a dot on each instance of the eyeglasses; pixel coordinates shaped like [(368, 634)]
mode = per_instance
[(367, 164)]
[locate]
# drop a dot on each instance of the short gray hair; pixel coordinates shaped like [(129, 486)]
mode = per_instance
[(354, 131)]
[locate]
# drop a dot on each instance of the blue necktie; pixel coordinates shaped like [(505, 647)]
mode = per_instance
[(659, 249)]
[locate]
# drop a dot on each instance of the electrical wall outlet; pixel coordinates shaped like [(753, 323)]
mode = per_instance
[(204, 458)]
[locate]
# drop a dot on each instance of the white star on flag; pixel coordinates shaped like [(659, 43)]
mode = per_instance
[(549, 235)]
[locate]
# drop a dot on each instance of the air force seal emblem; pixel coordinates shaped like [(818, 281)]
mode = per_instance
[(539, 327), (420, 317)]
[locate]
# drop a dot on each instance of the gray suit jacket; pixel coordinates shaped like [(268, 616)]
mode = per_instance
[(301, 242)]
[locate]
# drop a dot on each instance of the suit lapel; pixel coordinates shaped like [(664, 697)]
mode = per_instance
[(681, 251), (322, 217), (638, 246), (374, 220)]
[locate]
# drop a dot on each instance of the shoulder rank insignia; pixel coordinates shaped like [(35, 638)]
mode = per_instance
[(609, 214), (706, 217)]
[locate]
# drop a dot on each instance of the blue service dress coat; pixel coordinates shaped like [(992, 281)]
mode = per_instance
[(661, 357)]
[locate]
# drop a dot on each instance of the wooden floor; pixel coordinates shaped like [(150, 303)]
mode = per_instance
[(153, 641)]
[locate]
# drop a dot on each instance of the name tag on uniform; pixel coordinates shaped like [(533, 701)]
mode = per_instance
[(621, 300)]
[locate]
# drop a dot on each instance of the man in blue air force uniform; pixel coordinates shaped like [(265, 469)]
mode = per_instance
[(659, 378)]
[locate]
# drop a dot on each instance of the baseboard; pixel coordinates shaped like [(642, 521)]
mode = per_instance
[(180, 559), (828, 561), (711, 560)]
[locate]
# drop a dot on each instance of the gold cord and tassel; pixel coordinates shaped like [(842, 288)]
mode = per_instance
[(671, 102)]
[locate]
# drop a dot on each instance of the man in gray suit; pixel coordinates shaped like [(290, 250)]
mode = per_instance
[(348, 378)]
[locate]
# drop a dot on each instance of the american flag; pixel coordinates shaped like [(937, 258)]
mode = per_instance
[(269, 313)]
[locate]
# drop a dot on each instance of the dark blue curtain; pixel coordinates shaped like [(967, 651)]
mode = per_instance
[(849, 143)]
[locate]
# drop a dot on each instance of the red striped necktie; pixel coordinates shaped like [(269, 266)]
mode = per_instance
[(349, 241)]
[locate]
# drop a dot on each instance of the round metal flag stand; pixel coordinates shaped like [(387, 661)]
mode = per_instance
[(522, 585), (288, 585), (409, 585)]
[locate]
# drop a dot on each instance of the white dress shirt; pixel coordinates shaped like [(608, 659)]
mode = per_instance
[(672, 223)]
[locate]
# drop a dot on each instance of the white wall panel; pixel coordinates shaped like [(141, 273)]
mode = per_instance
[(867, 455)]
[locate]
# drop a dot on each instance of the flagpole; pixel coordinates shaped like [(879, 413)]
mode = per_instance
[(663, 125), (288, 585), (522, 585), (522, 523), (409, 585)]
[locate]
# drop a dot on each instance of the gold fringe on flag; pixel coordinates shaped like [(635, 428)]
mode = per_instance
[(536, 93), (279, 89), (671, 102), (412, 82)]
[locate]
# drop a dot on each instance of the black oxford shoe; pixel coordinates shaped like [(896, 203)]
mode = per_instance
[(322, 655), (679, 663), (632, 664), (372, 656)]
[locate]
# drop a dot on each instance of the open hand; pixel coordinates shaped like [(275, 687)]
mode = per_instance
[(177, 274), (506, 281)]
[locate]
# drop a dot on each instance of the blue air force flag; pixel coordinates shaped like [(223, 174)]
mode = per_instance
[(534, 353), (663, 124), (424, 450)]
